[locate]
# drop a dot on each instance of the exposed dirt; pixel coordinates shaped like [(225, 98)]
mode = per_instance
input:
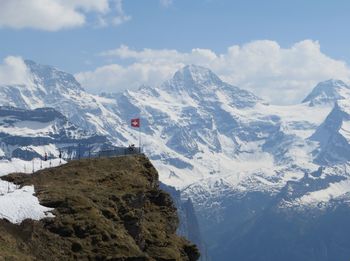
[(105, 209)]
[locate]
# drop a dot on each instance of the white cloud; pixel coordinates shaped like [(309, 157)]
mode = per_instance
[(114, 77), (87, 5), (13, 71), (53, 15), (121, 17), (166, 3), (280, 75)]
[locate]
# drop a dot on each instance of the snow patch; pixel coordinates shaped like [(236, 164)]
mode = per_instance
[(18, 204)]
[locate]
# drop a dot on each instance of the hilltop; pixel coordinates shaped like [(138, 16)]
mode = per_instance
[(105, 209)]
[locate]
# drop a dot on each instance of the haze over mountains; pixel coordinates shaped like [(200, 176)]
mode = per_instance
[(249, 167)]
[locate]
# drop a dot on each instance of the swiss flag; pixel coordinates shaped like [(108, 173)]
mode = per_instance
[(135, 123)]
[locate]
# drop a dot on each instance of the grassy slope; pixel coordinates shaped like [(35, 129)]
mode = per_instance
[(106, 209)]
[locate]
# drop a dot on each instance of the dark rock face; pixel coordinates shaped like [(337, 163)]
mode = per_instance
[(105, 209), (334, 147), (188, 227)]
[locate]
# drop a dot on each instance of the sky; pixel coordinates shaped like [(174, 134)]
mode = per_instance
[(278, 49)]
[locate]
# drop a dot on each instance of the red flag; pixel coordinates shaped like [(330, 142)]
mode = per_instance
[(135, 123)]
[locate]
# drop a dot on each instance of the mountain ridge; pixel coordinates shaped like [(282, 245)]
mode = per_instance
[(227, 150), (28, 137)]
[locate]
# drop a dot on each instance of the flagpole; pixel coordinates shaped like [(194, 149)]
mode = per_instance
[(136, 123), (140, 134)]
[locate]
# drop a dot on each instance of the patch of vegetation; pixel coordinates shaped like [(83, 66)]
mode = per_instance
[(105, 209)]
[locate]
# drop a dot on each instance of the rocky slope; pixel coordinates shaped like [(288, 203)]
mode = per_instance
[(105, 209)]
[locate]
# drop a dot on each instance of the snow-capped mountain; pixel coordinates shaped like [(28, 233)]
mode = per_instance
[(237, 157), (26, 136), (328, 92), (196, 128), (242, 152), (50, 87)]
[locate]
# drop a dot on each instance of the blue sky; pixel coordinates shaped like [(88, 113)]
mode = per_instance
[(187, 24), (180, 25)]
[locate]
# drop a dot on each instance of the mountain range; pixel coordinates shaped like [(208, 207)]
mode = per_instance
[(267, 182), (43, 137)]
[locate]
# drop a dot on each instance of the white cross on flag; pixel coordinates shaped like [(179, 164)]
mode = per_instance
[(135, 123)]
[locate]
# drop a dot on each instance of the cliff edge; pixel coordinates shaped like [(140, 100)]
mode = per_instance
[(105, 209)]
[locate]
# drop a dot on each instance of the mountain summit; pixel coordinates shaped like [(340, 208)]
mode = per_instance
[(200, 84), (51, 78), (328, 92), (196, 75)]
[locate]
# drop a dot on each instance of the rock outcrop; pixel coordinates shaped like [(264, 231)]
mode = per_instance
[(105, 209)]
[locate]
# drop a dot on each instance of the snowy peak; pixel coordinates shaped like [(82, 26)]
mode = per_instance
[(46, 87), (50, 77), (50, 87), (328, 92), (201, 85), (193, 79), (196, 74)]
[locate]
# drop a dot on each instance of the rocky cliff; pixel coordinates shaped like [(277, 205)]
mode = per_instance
[(189, 226), (105, 209)]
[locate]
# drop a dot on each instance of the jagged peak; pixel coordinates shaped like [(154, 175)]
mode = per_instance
[(48, 74), (193, 76), (328, 92), (203, 85), (35, 67), (333, 82), (196, 74)]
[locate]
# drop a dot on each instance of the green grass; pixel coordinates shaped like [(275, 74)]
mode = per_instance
[(104, 208)]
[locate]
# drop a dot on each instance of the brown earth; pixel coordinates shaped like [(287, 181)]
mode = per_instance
[(105, 209)]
